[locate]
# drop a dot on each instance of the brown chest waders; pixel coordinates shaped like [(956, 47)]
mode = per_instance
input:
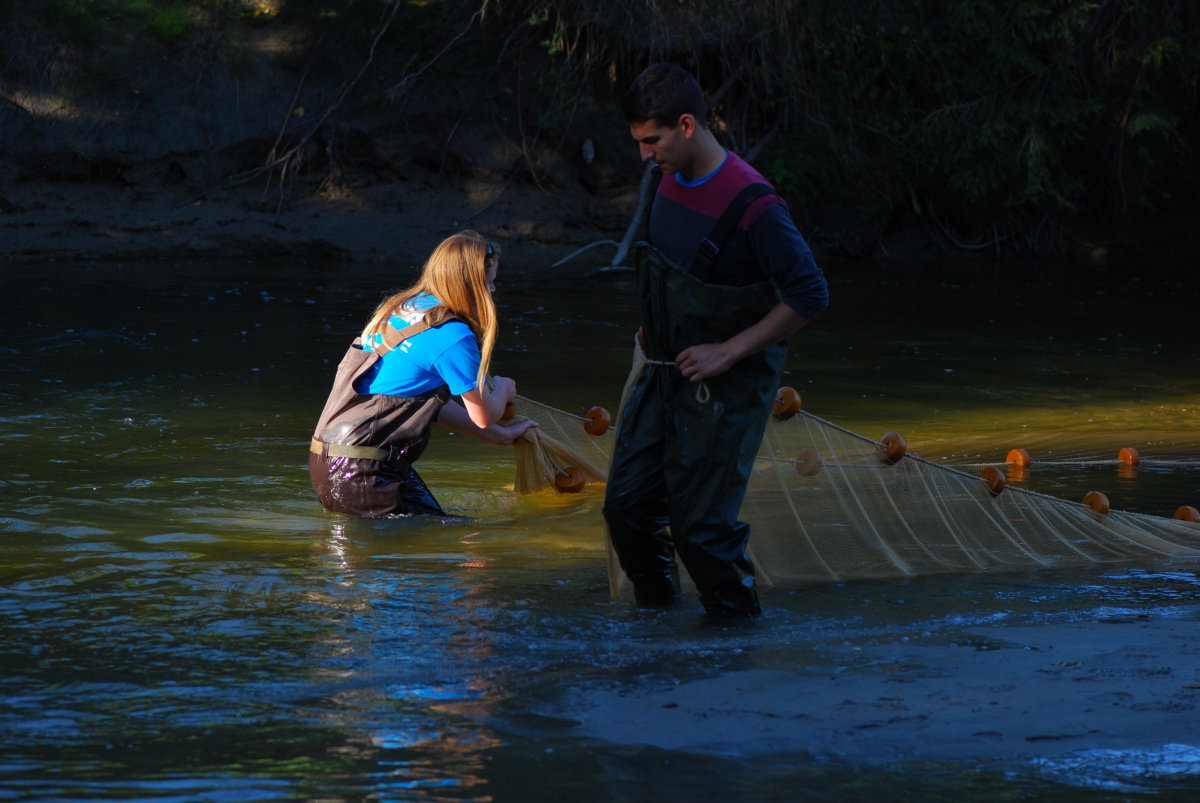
[(363, 448), (682, 457)]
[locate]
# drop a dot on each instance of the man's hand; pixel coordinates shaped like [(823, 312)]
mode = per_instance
[(705, 361), (701, 362)]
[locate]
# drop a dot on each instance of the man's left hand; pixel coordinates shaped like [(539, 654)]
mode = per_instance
[(702, 362)]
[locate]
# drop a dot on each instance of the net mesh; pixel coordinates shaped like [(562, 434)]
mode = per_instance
[(823, 505), (557, 445)]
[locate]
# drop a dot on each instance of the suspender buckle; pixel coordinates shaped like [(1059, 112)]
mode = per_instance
[(398, 460), (705, 255)]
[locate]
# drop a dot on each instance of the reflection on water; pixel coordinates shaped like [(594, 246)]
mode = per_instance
[(181, 620)]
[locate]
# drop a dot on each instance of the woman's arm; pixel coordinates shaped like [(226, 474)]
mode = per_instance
[(486, 407), (454, 418)]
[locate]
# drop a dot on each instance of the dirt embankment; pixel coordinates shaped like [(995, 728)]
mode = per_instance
[(141, 164), (378, 189), (385, 202)]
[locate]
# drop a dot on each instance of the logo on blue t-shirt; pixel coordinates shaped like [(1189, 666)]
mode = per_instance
[(447, 354)]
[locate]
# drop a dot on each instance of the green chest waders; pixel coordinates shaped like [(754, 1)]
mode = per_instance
[(685, 450)]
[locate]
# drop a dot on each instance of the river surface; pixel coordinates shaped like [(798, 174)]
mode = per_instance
[(180, 620)]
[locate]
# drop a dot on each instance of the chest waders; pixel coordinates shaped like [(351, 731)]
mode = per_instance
[(362, 451), (684, 453)]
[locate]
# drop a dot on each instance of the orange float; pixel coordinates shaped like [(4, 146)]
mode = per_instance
[(787, 403), (1097, 502), (510, 410), (1129, 456), (597, 422), (892, 447), (1018, 456), (571, 481), (994, 479), (808, 462), (1188, 513)]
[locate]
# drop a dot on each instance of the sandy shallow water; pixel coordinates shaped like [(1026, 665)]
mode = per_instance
[(1123, 682), (180, 620)]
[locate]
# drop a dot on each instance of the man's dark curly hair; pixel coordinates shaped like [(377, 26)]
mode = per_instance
[(664, 93)]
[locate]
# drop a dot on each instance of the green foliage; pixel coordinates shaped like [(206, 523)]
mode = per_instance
[(171, 24), (784, 176), (74, 19), (995, 107), (980, 109)]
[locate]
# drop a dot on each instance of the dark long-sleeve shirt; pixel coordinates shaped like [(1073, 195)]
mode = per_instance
[(764, 245)]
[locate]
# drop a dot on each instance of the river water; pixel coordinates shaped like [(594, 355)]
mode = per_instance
[(180, 620)]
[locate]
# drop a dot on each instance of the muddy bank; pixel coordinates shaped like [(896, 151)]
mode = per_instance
[(1127, 682), (394, 207)]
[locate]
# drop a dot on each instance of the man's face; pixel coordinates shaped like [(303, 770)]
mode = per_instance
[(672, 149)]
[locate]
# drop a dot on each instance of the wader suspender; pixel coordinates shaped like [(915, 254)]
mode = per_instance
[(392, 337), (710, 246), (656, 175)]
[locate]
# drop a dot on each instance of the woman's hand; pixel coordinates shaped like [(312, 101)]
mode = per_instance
[(509, 435), (505, 388), (456, 419)]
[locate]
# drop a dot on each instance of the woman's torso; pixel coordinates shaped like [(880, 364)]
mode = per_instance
[(447, 354)]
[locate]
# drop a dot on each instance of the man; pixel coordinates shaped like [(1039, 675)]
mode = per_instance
[(715, 318)]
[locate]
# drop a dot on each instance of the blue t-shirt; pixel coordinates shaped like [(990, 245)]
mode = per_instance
[(448, 353)]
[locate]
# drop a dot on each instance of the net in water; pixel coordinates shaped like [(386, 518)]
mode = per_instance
[(824, 504)]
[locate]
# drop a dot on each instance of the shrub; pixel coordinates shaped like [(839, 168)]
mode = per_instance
[(74, 19), (170, 24)]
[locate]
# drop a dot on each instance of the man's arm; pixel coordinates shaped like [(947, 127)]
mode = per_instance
[(781, 254), (702, 362)]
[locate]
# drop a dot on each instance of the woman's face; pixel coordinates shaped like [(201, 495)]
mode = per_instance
[(491, 276)]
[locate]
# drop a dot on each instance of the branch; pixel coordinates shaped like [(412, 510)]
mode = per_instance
[(753, 153), (7, 101), (608, 269), (725, 86), (979, 246), (627, 240), (274, 161), (585, 248), (630, 233), (399, 88), (287, 117), (486, 85)]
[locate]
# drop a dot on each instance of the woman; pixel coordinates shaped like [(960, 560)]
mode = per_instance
[(422, 346)]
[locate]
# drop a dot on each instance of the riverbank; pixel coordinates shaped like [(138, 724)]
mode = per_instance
[(165, 128), (377, 220)]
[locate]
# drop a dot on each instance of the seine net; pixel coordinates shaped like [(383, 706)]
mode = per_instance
[(824, 504)]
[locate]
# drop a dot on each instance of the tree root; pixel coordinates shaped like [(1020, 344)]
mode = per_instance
[(568, 258)]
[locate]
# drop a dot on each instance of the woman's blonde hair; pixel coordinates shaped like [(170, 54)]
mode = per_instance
[(456, 275)]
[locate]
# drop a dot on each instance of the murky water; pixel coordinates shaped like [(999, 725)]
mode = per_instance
[(182, 621)]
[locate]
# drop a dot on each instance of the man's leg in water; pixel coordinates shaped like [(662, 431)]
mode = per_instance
[(712, 545), (635, 504), (710, 452)]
